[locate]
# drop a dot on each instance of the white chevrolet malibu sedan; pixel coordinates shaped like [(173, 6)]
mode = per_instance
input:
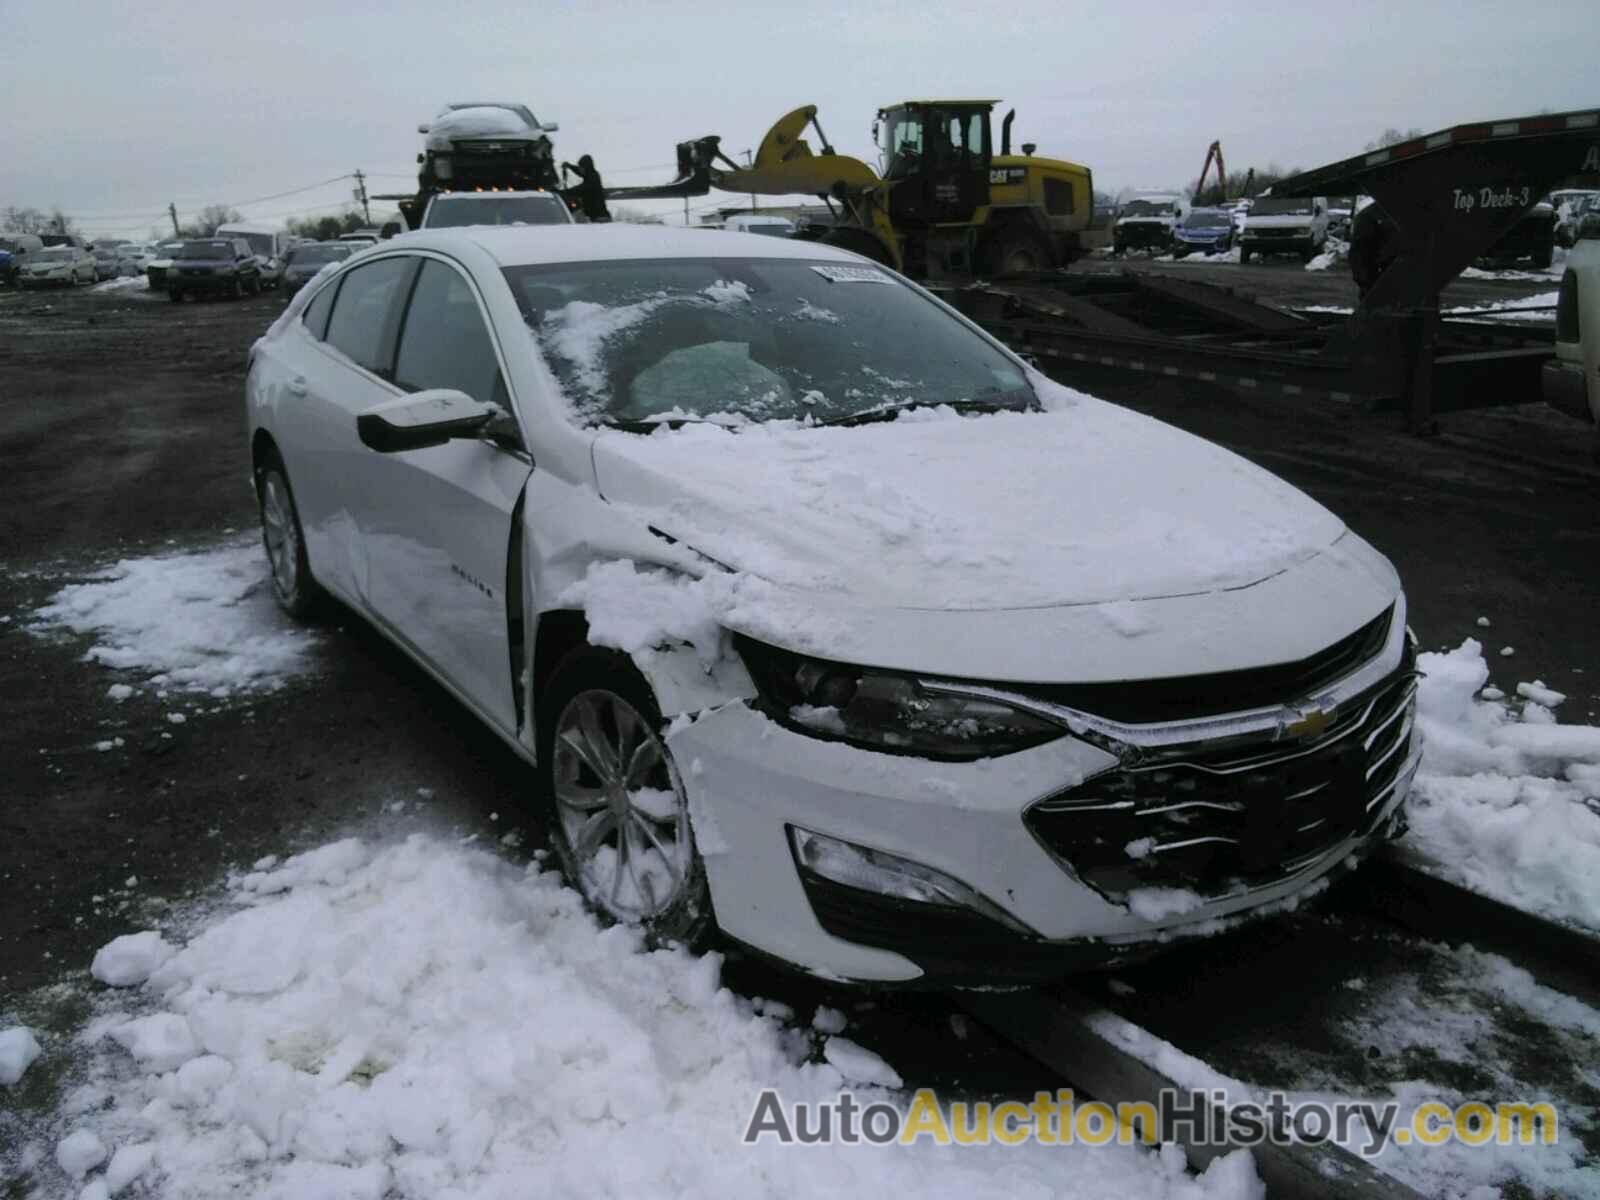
[(826, 624)]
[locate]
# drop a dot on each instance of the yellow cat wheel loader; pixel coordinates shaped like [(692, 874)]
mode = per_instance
[(945, 204)]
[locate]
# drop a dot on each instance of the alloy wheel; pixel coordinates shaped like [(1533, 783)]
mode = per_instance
[(281, 535), (621, 807)]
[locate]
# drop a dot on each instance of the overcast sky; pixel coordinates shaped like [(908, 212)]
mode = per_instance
[(117, 109)]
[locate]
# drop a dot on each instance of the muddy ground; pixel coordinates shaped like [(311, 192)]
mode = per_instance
[(121, 433)]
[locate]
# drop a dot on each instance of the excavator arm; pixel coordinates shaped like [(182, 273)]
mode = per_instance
[(1213, 154), (784, 165)]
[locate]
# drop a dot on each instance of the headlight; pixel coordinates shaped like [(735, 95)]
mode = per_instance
[(884, 710)]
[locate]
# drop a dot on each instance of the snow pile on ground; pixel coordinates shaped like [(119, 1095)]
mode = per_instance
[(1201, 258), (1507, 801), (203, 621), (1335, 252), (18, 1050), (1530, 308), (427, 1020), (130, 285)]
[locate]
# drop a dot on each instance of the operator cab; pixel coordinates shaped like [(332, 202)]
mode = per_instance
[(936, 153)]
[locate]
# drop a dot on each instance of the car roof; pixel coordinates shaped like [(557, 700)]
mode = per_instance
[(530, 245), (495, 195)]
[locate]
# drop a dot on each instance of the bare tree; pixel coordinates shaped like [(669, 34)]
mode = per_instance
[(34, 220), (1393, 137), (207, 220), (326, 228)]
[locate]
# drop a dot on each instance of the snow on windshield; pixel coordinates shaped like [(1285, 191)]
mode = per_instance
[(759, 340)]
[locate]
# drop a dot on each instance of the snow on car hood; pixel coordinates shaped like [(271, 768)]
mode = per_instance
[(932, 511)]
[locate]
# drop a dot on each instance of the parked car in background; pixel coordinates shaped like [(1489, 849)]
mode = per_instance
[(1286, 225), (65, 265), (133, 257), (452, 210), (304, 261), (1146, 221), (358, 240), (268, 244), (1572, 378), (15, 252), (1209, 230), (1571, 209), (1341, 211), (106, 262), (214, 266), (1531, 240), (161, 262), (768, 226), (875, 726)]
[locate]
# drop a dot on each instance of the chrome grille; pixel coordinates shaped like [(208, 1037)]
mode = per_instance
[(1216, 817)]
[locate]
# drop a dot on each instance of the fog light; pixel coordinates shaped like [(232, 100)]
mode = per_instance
[(885, 874)]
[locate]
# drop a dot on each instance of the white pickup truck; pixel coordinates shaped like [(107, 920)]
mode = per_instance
[(1572, 378)]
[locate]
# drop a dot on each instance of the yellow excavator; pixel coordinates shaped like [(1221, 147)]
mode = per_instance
[(946, 203)]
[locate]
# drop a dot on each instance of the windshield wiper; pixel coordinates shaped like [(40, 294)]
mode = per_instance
[(651, 424), (1017, 401)]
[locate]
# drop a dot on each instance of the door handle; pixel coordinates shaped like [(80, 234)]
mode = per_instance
[(297, 385)]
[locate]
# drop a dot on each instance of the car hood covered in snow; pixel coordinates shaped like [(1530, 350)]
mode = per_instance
[(1019, 521)]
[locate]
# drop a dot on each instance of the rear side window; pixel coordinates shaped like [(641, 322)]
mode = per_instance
[(444, 342), (366, 313), (316, 314)]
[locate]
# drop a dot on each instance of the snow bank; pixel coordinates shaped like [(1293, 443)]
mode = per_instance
[(1335, 252), (131, 285), (202, 621), (18, 1050), (130, 959), (1504, 802), (426, 1020)]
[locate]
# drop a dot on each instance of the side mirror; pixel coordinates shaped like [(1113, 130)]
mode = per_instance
[(390, 229), (422, 128), (551, 127), (423, 419)]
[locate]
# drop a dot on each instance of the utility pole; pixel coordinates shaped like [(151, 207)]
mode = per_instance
[(750, 162), (172, 211), (361, 195), (686, 212)]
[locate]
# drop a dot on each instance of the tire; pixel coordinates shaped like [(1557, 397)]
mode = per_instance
[(1545, 255), (1016, 251), (284, 541), (596, 707), (237, 291), (254, 287), (859, 241), (1308, 252), (175, 295)]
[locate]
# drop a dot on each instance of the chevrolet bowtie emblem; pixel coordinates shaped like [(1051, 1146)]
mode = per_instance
[(1308, 722)]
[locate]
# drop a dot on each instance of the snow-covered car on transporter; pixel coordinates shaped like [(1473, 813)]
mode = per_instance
[(769, 563)]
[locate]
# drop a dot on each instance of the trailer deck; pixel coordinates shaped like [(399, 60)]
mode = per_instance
[(1450, 196)]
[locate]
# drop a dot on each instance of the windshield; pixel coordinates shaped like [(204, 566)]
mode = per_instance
[(510, 210), (1266, 207), (206, 250), (259, 243), (752, 338), (1147, 208), (1207, 219), (303, 255), (56, 255)]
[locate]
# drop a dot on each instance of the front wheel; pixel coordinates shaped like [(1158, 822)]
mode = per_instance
[(1016, 252), (285, 542), (621, 824)]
